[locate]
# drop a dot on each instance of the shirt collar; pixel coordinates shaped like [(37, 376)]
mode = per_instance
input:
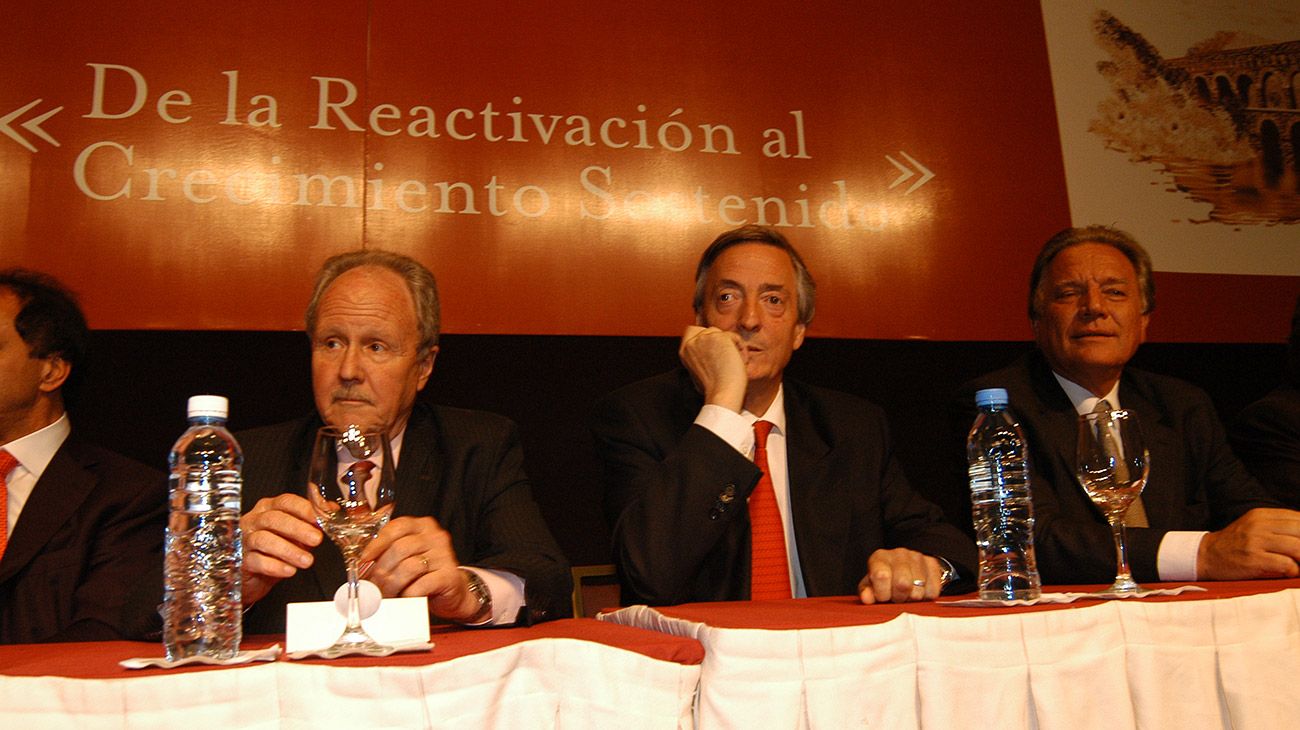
[(775, 413), (35, 450), (1083, 399)]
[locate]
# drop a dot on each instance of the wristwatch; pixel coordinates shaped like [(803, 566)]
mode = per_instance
[(481, 593), (949, 573)]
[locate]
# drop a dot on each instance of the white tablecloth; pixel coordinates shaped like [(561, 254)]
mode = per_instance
[(1184, 665), (543, 683)]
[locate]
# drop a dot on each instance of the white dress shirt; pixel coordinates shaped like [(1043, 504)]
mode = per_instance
[(1176, 557), (33, 452), (737, 429)]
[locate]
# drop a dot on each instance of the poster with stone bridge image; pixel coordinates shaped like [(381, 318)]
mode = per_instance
[(1179, 124)]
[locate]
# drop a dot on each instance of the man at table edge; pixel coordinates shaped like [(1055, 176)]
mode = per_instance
[(1201, 515), (678, 453), (78, 521)]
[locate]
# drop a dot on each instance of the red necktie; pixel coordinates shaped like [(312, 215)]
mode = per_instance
[(7, 463), (770, 577)]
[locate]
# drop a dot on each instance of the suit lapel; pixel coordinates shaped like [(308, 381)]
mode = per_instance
[(1163, 446), (1057, 415), (812, 495), (60, 492), (417, 467)]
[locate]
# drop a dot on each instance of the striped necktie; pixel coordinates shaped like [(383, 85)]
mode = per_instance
[(7, 464), (770, 566)]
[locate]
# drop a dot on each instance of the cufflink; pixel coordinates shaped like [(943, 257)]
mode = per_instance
[(723, 502)]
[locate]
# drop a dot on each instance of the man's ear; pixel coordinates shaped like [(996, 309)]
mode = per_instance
[(54, 373), (426, 367)]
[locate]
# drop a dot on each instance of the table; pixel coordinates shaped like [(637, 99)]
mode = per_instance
[(1228, 657), (573, 673)]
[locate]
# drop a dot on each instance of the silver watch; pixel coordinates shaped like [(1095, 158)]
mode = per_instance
[(484, 596), (949, 573)]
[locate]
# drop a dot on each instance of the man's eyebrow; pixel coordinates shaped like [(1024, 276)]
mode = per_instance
[(732, 283)]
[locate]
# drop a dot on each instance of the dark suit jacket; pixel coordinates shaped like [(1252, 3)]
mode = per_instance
[(92, 526), (463, 468), (1195, 482), (677, 494), (1266, 435)]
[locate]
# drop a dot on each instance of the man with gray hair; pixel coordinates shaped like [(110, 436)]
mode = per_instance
[(726, 480), (466, 532), (1201, 515)]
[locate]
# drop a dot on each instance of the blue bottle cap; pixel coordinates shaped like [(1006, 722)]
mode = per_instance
[(991, 397)]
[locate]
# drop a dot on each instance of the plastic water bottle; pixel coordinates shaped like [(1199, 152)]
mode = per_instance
[(1001, 505), (201, 592)]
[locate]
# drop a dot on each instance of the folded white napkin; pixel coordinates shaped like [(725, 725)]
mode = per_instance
[(1072, 597), (243, 657), (393, 647)]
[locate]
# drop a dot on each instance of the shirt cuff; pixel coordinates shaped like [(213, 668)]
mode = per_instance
[(729, 426), (1176, 558), (507, 591)]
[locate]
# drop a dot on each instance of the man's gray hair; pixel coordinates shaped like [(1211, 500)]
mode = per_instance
[(1106, 236), (419, 281)]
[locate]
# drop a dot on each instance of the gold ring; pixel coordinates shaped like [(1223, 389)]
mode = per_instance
[(425, 562)]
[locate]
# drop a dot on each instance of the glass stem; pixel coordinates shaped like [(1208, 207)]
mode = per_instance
[(354, 598), (1122, 574)]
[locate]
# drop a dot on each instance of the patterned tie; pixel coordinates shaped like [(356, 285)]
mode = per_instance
[(770, 578), (7, 463), (1137, 514), (354, 482)]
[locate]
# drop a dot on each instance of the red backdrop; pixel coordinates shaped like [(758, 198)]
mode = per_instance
[(178, 181)]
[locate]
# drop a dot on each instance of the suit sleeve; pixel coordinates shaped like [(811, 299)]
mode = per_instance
[(1266, 435), (512, 536), (672, 500), (914, 522), (127, 545), (1229, 486)]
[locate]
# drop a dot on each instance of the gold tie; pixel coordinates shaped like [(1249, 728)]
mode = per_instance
[(1137, 514)]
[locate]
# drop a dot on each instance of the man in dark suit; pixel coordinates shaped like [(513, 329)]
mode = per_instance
[(1201, 515), (77, 523), (1266, 434), (466, 533), (685, 497)]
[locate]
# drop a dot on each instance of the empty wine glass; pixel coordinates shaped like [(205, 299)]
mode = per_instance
[(350, 486), (1112, 467)]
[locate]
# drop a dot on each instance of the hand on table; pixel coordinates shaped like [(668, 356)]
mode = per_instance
[(900, 575), (278, 536), (1263, 543), (714, 359), (413, 556)]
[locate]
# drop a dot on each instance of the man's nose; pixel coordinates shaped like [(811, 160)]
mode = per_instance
[(750, 315), (1093, 304), (350, 364)]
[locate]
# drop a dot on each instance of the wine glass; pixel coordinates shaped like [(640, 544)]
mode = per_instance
[(350, 486), (1112, 467)]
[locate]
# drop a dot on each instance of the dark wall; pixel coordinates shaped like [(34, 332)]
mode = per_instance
[(134, 399)]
